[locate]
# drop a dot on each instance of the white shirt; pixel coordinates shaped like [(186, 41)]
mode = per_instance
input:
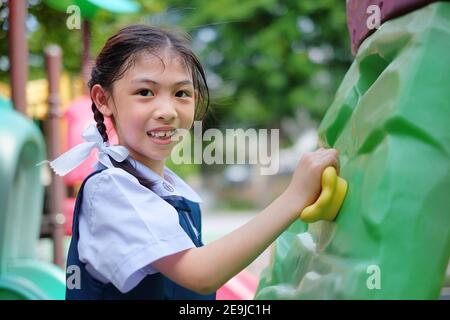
[(124, 226)]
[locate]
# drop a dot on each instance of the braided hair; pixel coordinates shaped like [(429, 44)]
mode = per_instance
[(117, 57)]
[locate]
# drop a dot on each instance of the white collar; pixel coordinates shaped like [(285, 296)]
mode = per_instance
[(170, 185)]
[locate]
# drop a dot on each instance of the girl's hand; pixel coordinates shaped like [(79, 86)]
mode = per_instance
[(305, 186)]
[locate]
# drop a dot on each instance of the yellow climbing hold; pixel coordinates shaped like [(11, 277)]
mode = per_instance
[(330, 200)]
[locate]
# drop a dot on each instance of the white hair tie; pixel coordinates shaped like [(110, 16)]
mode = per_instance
[(78, 154)]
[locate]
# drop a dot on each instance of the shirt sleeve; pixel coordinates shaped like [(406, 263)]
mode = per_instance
[(124, 227)]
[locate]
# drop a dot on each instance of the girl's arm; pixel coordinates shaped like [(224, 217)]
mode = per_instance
[(207, 268)]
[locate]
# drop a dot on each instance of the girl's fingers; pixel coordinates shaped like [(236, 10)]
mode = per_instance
[(328, 153), (338, 167), (331, 159), (336, 164), (328, 157)]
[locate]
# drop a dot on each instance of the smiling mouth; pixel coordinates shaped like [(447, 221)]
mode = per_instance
[(162, 134)]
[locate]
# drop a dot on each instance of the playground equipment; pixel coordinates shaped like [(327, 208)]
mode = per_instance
[(88, 9), (22, 276), (330, 199), (390, 122)]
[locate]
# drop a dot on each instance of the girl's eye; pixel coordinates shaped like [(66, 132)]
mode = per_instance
[(182, 94), (145, 93)]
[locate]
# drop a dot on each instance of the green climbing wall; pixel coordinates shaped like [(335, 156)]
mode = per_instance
[(391, 123)]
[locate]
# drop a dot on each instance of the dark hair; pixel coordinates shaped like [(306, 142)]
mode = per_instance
[(118, 55)]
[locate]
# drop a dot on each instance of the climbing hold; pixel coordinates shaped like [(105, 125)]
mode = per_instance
[(330, 200)]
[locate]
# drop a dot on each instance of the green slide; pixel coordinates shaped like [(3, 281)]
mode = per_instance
[(391, 123), (22, 276)]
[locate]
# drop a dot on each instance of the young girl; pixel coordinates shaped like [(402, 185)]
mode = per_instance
[(137, 226)]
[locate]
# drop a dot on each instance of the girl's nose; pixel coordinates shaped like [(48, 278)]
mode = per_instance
[(165, 111)]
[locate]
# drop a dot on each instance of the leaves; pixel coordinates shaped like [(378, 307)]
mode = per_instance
[(272, 52)]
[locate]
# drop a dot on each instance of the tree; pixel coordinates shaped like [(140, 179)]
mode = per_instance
[(267, 58)]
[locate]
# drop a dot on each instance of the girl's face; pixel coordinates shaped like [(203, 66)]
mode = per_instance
[(154, 97)]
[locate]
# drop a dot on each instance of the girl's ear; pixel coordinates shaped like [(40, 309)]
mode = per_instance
[(98, 95)]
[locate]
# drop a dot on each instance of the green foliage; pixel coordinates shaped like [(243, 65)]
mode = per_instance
[(275, 55), (264, 58)]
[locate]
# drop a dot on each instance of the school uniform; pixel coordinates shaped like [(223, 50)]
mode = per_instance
[(120, 227)]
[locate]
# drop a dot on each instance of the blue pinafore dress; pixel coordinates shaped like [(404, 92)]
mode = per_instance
[(152, 287)]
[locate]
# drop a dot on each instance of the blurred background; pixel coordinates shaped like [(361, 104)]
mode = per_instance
[(271, 64)]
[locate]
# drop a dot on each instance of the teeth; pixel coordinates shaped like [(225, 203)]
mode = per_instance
[(162, 134)]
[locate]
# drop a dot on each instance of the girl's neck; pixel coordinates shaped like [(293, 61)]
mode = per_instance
[(156, 166)]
